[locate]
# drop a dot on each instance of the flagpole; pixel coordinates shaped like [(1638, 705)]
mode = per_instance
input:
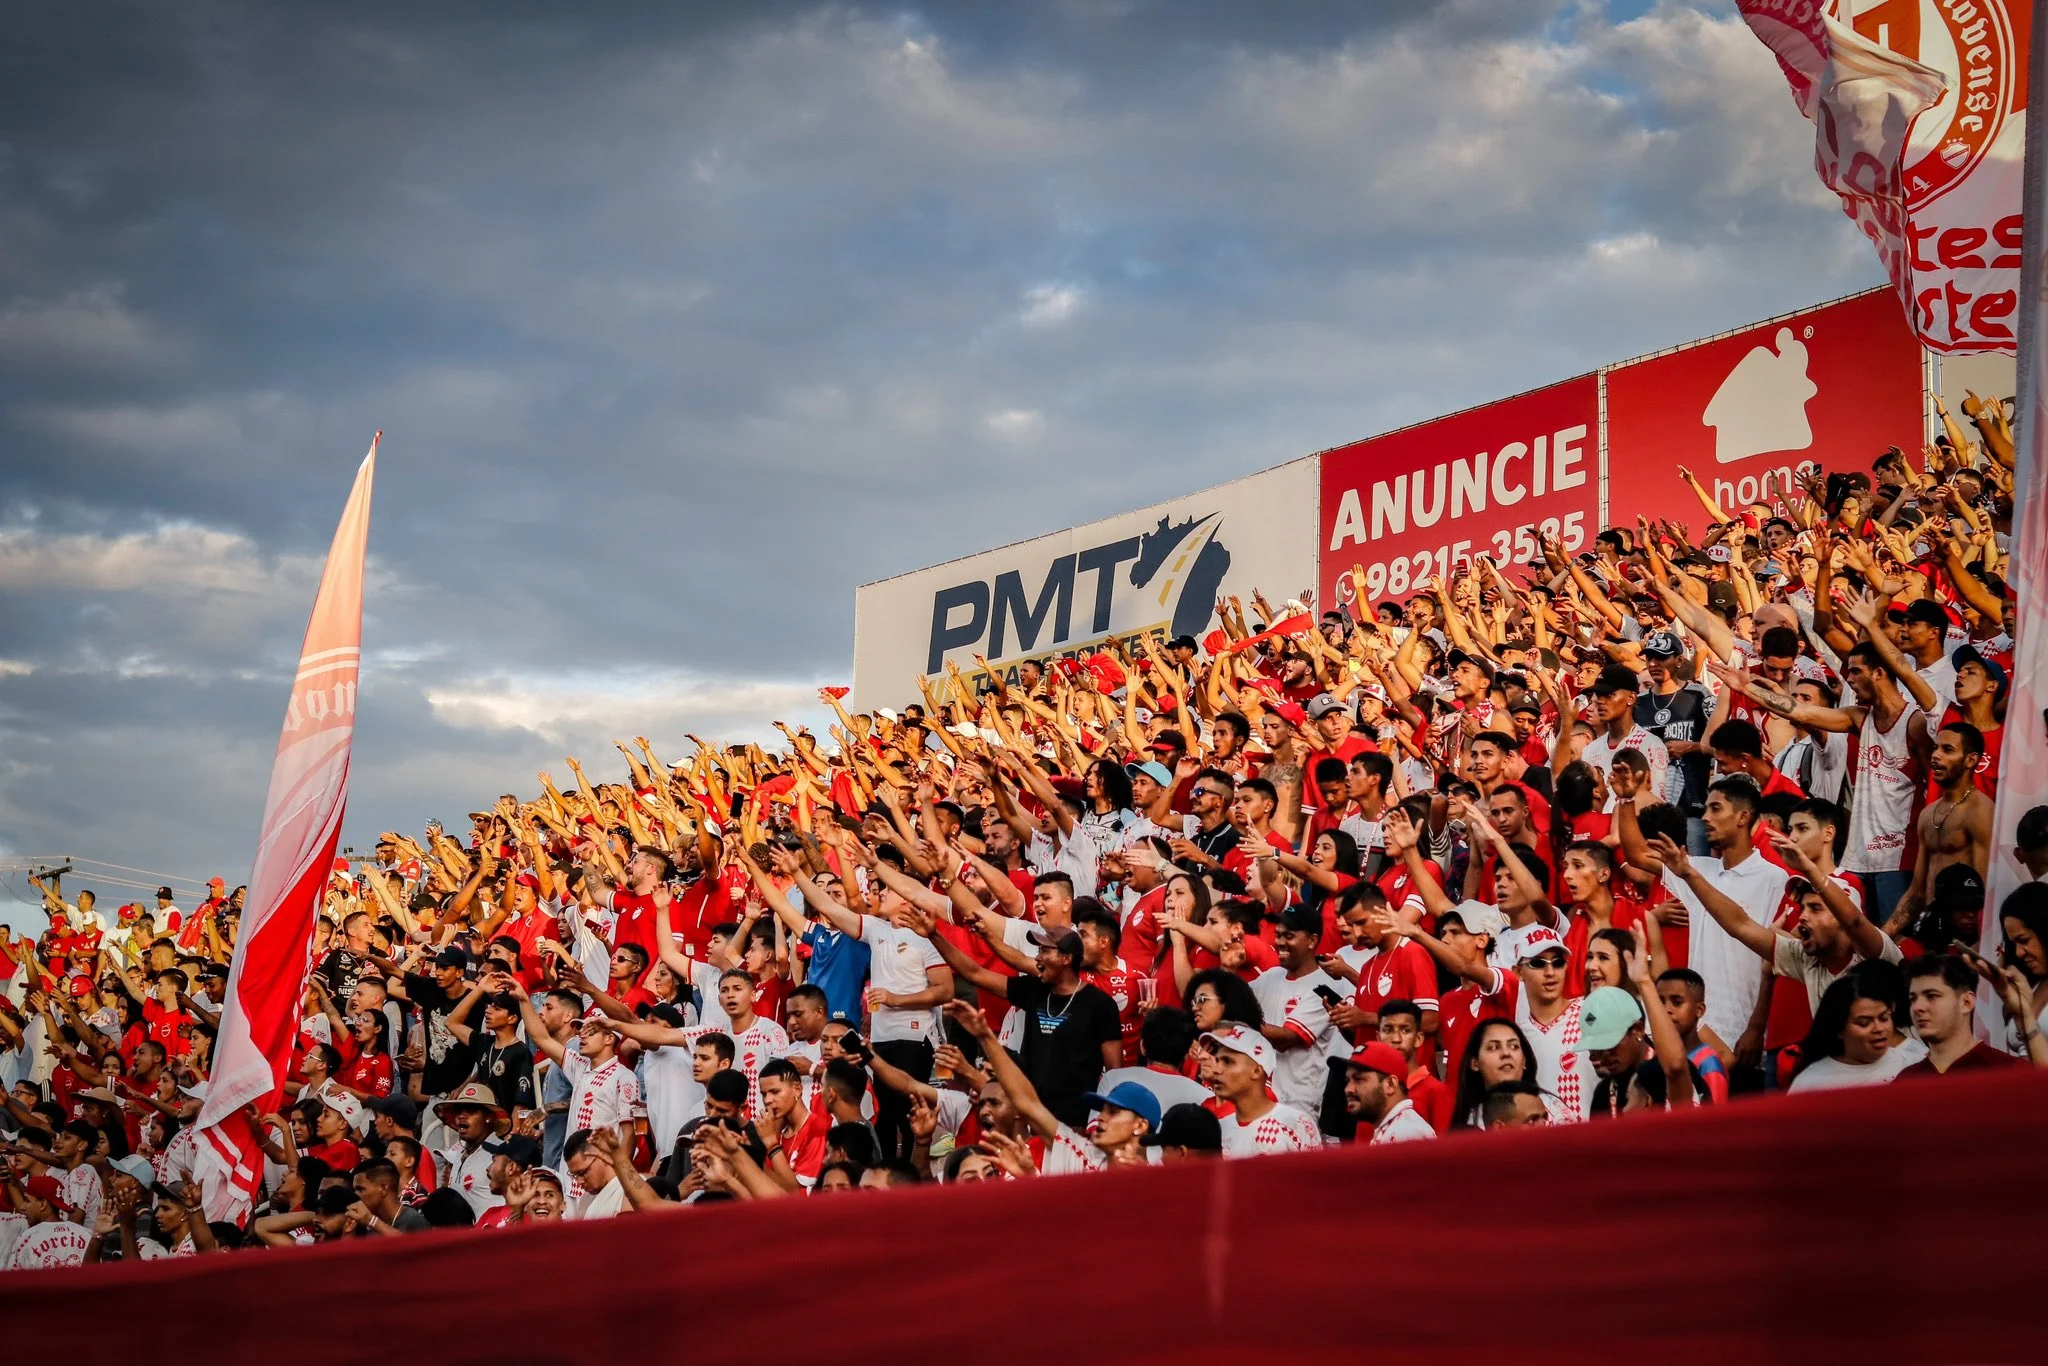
[(2023, 766)]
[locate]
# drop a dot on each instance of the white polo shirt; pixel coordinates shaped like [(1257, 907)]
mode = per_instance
[(1732, 973)]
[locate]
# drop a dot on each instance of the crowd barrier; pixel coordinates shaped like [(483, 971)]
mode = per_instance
[(1893, 1224)]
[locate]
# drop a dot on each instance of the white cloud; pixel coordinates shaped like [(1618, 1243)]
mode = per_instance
[(592, 709), (1016, 424), (1050, 305)]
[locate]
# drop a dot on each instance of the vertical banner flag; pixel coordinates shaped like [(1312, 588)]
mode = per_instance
[(1918, 109), (301, 825), (2023, 767)]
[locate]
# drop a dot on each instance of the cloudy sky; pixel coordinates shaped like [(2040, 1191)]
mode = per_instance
[(682, 320)]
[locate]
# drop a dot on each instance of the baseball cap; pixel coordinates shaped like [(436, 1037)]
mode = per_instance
[(1293, 713), (1721, 597), (1970, 654), (454, 956), (521, 1149), (1718, 553), (1129, 1095), (1301, 920), (1539, 941), (349, 1108), (1322, 705), (546, 1174), (1959, 888), (1616, 678), (397, 1108), (1478, 918), (1606, 1017), (1528, 705), (45, 1188), (1187, 1125), (137, 1167), (1246, 1040), (1662, 645), (1060, 941), (1457, 657), (1153, 769), (1379, 1057)]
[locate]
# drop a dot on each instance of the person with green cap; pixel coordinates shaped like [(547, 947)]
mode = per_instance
[(1636, 1049)]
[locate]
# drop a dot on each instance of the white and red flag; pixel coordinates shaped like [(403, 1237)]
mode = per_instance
[(1919, 114), (301, 825), (2023, 767)]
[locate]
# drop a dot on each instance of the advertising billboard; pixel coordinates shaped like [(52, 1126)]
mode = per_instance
[(1745, 413), (1411, 504), (1159, 570)]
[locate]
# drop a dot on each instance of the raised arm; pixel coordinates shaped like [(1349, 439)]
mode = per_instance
[(1760, 940), (1023, 1095)]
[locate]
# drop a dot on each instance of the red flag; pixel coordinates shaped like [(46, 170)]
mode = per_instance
[(1290, 626), (301, 825)]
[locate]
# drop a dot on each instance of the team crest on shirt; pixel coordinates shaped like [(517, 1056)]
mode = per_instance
[(1386, 983)]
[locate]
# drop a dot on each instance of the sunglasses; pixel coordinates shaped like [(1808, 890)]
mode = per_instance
[(1555, 964)]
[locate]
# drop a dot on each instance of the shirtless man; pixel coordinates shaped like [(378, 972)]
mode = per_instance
[(1956, 826)]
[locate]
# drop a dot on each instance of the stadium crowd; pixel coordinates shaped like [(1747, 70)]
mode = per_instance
[(1700, 815)]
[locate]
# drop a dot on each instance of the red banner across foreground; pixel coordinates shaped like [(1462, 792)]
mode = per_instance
[(1736, 1234), (301, 823), (1746, 413)]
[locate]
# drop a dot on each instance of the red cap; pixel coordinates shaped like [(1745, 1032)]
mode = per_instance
[(79, 986), (216, 882), (1292, 713), (839, 692), (1070, 788), (1383, 1058), (1216, 642), (341, 865), (45, 1187)]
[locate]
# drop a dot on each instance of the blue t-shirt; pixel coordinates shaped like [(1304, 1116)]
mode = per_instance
[(839, 968)]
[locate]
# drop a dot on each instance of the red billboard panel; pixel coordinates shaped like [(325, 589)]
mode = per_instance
[(1413, 503), (1745, 413)]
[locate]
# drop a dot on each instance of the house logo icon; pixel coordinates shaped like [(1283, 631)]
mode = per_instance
[(1761, 406)]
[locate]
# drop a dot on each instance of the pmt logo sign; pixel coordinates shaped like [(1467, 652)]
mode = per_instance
[(1158, 570), (1186, 561)]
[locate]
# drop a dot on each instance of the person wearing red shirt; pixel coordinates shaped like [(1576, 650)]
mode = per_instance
[(163, 1019), (1143, 866), (1332, 720), (1396, 971), (1101, 967), (794, 1133), (1251, 811), (1738, 747), (1401, 1029), (1980, 689), (366, 1068), (1464, 945), (641, 905)]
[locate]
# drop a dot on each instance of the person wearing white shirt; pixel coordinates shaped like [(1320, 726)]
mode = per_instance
[(1295, 999), (1614, 700), (1851, 1042), (1376, 1093), (1740, 874)]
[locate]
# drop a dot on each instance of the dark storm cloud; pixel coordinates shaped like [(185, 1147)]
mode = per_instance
[(682, 320)]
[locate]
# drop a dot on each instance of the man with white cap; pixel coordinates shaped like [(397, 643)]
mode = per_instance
[(1260, 1124), (1550, 1020)]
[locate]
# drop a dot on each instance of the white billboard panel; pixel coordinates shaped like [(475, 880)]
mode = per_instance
[(1159, 569)]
